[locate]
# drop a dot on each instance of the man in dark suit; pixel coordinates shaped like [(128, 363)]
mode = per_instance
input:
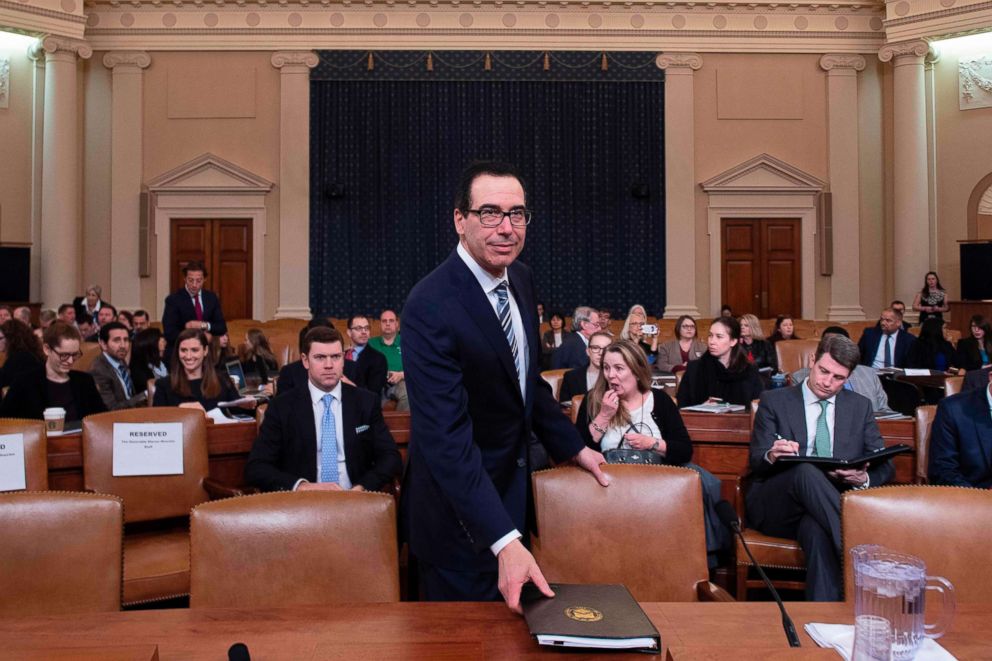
[(887, 345), (572, 352), (471, 359), (961, 439), (976, 379), (192, 306), (363, 365), (326, 435), (800, 501), (295, 374), (110, 370)]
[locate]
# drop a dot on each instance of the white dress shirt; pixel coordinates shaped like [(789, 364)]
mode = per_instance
[(879, 360), (317, 400)]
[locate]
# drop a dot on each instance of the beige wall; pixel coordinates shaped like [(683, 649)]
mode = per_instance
[(876, 273), (97, 243), (15, 138)]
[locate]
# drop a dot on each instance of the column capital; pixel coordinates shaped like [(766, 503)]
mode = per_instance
[(917, 48), (683, 61), (294, 58), (842, 61), (51, 45), (127, 58)]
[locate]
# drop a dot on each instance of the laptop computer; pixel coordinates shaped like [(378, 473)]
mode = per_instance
[(237, 373)]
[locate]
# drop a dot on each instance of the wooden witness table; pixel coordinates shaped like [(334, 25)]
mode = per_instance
[(411, 630)]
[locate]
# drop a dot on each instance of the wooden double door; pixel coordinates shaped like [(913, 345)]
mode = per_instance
[(762, 266), (225, 247)]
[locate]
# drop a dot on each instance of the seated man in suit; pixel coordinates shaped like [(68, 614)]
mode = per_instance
[(580, 380), (88, 330), (888, 344), (572, 352), (363, 365), (800, 501), (325, 435), (961, 439), (192, 306), (141, 321), (23, 314), (106, 315), (295, 374), (111, 373), (67, 314)]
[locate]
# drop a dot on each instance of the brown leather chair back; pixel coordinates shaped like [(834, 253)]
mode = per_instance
[(947, 527), (294, 548), (61, 553), (91, 351), (645, 530), (285, 345), (554, 377), (153, 496), (953, 385), (924, 420), (576, 403), (35, 450), (794, 354)]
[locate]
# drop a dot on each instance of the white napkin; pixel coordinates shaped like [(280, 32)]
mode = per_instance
[(841, 638)]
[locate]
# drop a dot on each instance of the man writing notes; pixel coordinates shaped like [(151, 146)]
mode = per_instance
[(800, 501), (470, 354)]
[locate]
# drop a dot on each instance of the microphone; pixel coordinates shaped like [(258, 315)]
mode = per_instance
[(728, 516), (238, 652)]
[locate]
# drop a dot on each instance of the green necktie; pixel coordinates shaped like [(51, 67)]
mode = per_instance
[(821, 442)]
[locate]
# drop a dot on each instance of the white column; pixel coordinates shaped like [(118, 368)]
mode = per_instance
[(844, 175), (294, 182), (911, 244), (61, 174), (680, 184), (125, 174)]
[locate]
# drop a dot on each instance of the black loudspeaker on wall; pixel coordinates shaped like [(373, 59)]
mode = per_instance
[(976, 271), (15, 273)]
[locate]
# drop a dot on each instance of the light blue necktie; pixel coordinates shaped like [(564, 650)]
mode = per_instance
[(503, 312), (328, 443)]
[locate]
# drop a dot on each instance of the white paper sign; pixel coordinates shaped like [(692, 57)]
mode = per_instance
[(916, 372), (12, 462), (148, 449)]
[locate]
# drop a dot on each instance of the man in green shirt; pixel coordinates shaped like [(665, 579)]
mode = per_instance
[(388, 344)]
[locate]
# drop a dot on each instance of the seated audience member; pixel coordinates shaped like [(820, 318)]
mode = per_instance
[(863, 380), (111, 371), (87, 329), (221, 351), (295, 374), (47, 318), (192, 306), (23, 314), (6, 314), (106, 314), (325, 434), (23, 350), (800, 501), (722, 373), (140, 320), (54, 384), (900, 309), (580, 380), (726, 311), (257, 358), (975, 379), (758, 350), (127, 319), (888, 345), (67, 314), (540, 312), (364, 366), (961, 437), (572, 352), (931, 351), (785, 329), (975, 350), (622, 411), (604, 320), (552, 338), (675, 355), (389, 344), (633, 329), (193, 382), (148, 357), (90, 303)]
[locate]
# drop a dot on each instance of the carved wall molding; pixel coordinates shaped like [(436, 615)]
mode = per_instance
[(916, 48), (139, 59), (842, 61), (667, 61), (52, 45), (305, 58), (975, 82), (4, 82)]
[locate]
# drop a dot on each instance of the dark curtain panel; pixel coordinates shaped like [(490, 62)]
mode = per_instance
[(387, 145)]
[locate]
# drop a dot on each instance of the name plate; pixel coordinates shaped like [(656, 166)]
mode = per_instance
[(148, 449), (12, 476)]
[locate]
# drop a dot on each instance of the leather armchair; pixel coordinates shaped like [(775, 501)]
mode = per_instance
[(794, 354), (298, 548), (645, 530), (924, 420), (35, 450), (554, 377), (61, 553)]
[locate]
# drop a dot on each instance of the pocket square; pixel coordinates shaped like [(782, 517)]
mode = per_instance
[(359, 430)]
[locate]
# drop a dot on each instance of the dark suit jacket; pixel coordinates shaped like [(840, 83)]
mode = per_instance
[(975, 380), (967, 355), (292, 375), (572, 383), (467, 478), (110, 388), (961, 441), (868, 346), (179, 310), (286, 447), (28, 397), (571, 353), (369, 371)]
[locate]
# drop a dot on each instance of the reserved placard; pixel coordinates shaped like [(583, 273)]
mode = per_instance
[(12, 477), (151, 448)]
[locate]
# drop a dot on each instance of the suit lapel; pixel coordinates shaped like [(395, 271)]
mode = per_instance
[(109, 370), (983, 424), (307, 433), (797, 419)]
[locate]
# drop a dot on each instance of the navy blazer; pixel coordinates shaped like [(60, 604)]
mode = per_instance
[(291, 375), (467, 477), (369, 371), (179, 310), (961, 441), (571, 353), (286, 447), (868, 346)]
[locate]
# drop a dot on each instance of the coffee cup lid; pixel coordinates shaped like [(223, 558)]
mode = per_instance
[(57, 410)]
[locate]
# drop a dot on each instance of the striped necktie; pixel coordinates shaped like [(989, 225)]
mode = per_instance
[(503, 312), (328, 443), (126, 378)]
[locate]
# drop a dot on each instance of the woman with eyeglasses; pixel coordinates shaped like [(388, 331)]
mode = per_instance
[(55, 383), (193, 382), (580, 380), (633, 329), (723, 373), (675, 355)]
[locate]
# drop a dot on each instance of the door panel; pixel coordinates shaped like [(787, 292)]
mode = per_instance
[(761, 268), (225, 248)]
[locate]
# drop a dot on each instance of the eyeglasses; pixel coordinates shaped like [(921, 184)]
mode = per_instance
[(493, 216), (67, 357), (595, 349), (361, 329)]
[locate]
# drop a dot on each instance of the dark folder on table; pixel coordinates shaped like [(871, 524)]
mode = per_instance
[(873, 459), (589, 616)]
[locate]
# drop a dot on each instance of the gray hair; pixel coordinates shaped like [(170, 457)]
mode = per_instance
[(841, 349), (582, 313)]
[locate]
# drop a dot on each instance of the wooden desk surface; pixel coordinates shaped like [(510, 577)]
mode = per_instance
[(434, 631)]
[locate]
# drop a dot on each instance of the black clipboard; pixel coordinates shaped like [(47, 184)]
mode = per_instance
[(873, 459)]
